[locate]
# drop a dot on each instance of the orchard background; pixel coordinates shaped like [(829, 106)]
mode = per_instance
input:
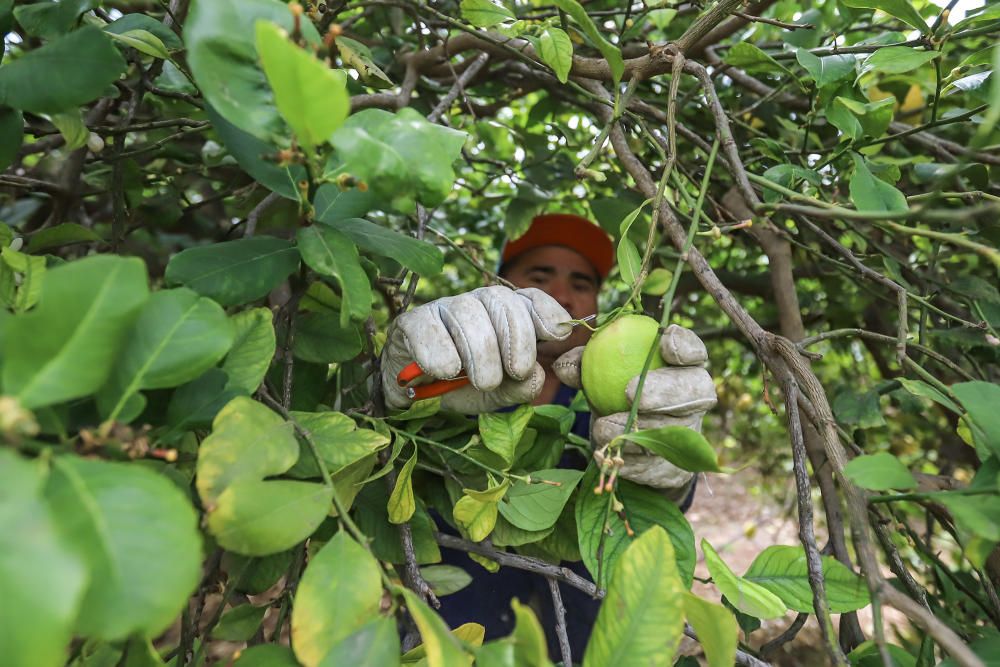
[(213, 209)]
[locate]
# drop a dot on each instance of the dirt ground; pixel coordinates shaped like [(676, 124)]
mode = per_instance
[(740, 524)]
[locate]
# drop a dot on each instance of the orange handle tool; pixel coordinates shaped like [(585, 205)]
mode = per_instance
[(413, 371)]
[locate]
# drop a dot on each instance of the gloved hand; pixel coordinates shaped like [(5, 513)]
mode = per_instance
[(488, 334), (677, 395)]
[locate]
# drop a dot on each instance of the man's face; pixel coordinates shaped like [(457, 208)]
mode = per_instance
[(568, 278)]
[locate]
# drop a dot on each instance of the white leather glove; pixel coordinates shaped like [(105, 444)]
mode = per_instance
[(488, 334), (677, 395)]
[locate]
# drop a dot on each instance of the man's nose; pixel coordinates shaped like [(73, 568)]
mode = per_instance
[(562, 294)]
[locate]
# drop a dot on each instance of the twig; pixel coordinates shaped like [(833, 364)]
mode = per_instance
[(790, 633), (257, 211), (781, 24), (459, 87), (563, 574), (743, 659), (806, 532), (560, 614), (413, 578)]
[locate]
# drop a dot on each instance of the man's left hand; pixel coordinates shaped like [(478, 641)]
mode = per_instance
[(677, 395)]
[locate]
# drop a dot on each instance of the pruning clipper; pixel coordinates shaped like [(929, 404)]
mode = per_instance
[(412, 377)]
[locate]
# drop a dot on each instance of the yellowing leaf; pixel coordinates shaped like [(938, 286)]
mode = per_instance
[(358, 56), (750, 598), (717, 629), (401, 503), (642, 617), (311, 97)]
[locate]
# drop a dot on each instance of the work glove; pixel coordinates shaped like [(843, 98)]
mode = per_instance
[(677, 395), (488, 334)]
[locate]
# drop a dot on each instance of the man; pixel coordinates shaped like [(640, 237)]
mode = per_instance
[(519, 347)]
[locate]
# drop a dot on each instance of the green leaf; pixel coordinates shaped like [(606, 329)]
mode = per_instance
[(750, 598), (401, 504), (267, 655), (43, 581), (330, 253), (374, 522), (873, 194), (748, 57), (240, 623), (64, 348), (331, 204), (642, 617), (251, 154), (221, 51), (177, 337), (67, 233), (878, 472), (610, 52), (827, 69), (340, 592), (537, 506), (338, 440), (320, 338), (976, 515), (11, 135), (896, 60), (657, 282), (901, 9), (842, 118), (375, 644), (50, 19), (644, 508), (501, 431), (76, 69), (357, 55), (234, 272), (71, 126), (445, 579), (718, 631), (259, 518), (126, 522), (629, 260), (139, 21), (924, 390), (29, 271), (252, 350), (310, 96), (198, 402), (528, 638), (981, 400), (484, 13), (556, 50), (683, 447), (142, 41), (402, 157), (248, 442), (784, 571), (419, 256), (442, 648), (858, 409), (421, 409)]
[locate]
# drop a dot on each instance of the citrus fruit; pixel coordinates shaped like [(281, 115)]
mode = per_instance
[(615, 354)]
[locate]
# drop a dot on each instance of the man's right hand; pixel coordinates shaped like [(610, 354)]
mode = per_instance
[(488, 334)]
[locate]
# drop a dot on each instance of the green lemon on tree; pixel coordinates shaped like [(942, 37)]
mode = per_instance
[(615, 354)]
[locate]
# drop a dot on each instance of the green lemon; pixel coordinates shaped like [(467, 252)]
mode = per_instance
[(615, 354)]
